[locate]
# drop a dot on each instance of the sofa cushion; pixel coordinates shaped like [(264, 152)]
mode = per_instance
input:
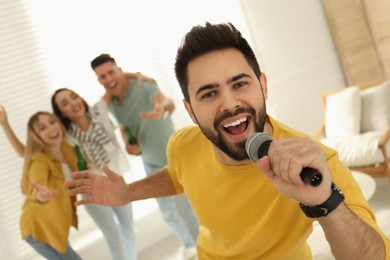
[(342, 113), (375, 107), (359, 150)]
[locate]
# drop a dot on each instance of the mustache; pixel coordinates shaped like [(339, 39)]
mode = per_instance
[(228, 114)]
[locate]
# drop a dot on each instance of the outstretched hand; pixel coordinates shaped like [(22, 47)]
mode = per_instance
[(107, 190), (44, 194), (158, 108), (3, 115)]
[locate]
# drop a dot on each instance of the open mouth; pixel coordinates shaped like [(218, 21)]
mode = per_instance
[(112, 85), (54, 135), (237, 127), (76, 108)]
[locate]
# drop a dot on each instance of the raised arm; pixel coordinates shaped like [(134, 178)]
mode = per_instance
[(130, 75), (18, 146), (112, 190), (140, 77)]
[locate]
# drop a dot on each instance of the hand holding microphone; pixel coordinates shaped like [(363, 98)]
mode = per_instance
[(257, 146)]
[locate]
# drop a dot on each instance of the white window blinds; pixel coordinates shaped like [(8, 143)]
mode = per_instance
[(48, 44)]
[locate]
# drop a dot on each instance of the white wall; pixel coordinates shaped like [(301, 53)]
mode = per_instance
[(291, 39), (296, 52)]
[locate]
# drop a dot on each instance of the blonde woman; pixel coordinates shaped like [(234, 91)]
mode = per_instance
[(48, 212)]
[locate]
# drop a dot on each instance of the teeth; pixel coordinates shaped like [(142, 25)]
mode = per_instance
[(237, 122), (53, 135)]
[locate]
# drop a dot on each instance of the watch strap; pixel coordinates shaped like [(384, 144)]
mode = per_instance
[(335, 199)]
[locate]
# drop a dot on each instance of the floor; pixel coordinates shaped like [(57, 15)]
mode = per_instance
[(379, 202)]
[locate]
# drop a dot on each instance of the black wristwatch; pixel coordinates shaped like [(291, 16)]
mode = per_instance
[(335, 199)]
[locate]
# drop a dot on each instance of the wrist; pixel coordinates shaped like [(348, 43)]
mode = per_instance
[(322, 210)]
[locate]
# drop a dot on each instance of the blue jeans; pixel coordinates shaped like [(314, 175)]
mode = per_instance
[(177, 213), (116, 224), (48, 252)]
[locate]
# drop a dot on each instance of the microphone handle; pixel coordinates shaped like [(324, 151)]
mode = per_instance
[(311, 176)]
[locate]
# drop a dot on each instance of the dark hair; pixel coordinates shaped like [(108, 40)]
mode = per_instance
[(56, 110), (101, 59), (203, 39)]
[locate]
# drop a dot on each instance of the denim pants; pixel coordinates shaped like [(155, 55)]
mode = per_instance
[(177, 213), (48, 252), (116, 224)]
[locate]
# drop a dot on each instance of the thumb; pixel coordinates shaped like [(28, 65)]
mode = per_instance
[(265, 166), (110, 174), (37, 187)]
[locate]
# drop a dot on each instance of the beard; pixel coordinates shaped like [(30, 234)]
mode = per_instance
[(235, 151)]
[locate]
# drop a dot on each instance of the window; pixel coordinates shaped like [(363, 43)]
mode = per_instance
[(361, 32), (48, 44)]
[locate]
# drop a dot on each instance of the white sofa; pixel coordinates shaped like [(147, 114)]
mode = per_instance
[(357, 124)]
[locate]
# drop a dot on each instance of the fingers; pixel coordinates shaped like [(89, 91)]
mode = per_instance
[(3, 115), (80, 190), (77, 183), (83, 201), (287, 158), (44, 194), (155, 114), (79, 179), (87, 174), (35, 186)]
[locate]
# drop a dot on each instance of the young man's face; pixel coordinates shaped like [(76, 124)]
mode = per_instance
[(110, 77), (227, 100)]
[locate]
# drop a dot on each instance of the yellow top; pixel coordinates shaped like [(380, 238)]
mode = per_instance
[(49, 222), (240, 213)]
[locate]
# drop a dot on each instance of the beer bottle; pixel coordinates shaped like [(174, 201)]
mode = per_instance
[(81, 162), (130, 137)]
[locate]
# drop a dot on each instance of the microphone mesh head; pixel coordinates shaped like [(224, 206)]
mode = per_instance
[(253, 144)]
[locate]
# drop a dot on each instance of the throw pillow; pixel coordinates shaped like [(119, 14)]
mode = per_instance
[(342, 113), (375, 107)]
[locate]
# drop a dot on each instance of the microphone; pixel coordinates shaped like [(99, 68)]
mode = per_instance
[(257, 146)]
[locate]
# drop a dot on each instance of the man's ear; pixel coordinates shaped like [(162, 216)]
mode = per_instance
[(263, 82), (188, 107)]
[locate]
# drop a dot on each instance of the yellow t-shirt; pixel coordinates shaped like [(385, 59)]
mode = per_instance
[(240, 213), (49, 222)]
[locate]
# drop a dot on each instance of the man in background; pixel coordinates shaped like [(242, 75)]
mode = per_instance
[(142, 111)]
